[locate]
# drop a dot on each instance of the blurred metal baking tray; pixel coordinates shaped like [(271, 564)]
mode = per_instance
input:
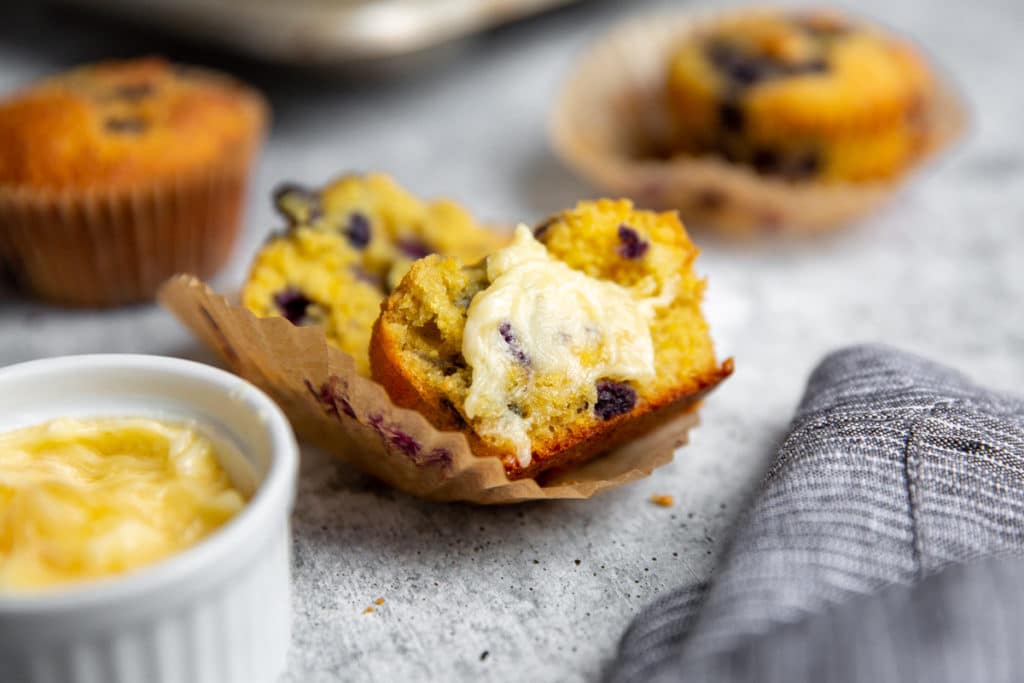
[(323, 31)]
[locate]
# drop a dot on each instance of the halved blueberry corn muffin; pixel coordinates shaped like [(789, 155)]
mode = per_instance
[(345, 248), (579, 335), (801, 95)]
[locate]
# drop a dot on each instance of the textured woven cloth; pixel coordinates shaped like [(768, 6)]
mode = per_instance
[(880, 546)]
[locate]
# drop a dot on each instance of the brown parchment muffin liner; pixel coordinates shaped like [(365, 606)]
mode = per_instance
[(613, 110), (352, 417), (112, 246)]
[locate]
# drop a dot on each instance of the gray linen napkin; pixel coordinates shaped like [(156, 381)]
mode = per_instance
[(860, 558)]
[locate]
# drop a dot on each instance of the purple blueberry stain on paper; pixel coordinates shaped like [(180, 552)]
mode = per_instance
[(333, 396), (399, 440), (395, 437)]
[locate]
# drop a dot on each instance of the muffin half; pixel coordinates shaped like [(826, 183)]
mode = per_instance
[(574, 338), (346, 246)]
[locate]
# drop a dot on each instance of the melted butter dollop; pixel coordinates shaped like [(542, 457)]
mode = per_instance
[(88, 498), (539, 317)]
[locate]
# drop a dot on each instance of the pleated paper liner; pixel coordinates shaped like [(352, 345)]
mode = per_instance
[(614, 105), (112, 246), (351, 416)]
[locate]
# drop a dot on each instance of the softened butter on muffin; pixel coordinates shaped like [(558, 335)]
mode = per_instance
[(539, 318), (83, 499)]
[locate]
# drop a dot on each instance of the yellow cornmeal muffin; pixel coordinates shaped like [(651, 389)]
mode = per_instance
[(577, 336), (802, 95), (115, 176), (346, 247)]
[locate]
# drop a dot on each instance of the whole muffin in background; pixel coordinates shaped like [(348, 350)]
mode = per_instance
[(117, 175), (802, 95), (755, 122), (346, 247)]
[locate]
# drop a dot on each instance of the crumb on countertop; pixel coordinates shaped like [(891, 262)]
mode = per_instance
[(664, 500), (379, 601), (368, 610)]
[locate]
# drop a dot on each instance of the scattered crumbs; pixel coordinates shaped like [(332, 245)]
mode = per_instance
[(689, 516), (577, 562), (664, 500), (675, 554), (368, 610), (483, 655), (378, 601), (722, 506), (536, 561)]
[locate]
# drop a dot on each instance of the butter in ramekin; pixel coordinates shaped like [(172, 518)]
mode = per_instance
[(83, 499)]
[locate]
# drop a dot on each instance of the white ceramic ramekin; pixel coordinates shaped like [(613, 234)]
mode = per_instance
[(218, 612)]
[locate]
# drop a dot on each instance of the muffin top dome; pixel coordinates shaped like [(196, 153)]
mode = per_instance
[(804, 71), (125, 122)]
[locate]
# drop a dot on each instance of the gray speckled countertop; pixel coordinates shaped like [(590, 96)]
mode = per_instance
[(541, 592)]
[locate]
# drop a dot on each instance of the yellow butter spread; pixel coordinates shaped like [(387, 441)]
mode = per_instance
[(539, 317), (87, 498)]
